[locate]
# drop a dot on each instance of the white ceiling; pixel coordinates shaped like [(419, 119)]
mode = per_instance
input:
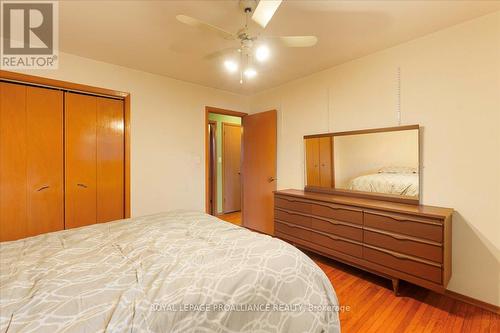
[(145, 34)]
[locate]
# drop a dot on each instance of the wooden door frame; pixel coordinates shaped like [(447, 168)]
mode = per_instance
[(214, 172), (223, 173), (39, 81), (210, 109)]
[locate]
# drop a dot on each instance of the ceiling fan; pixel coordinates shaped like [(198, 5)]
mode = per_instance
[(251, 46)]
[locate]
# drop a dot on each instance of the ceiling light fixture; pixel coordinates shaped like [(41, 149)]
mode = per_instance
[(231, 66), (262, 53), (252, 47), (250, 73)]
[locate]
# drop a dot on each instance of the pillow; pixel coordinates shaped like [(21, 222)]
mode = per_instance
[(394, 169)]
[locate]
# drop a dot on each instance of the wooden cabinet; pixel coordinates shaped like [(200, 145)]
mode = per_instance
[(94, 160), (62, 160), (31, 161), (396, 240), (319, 168)]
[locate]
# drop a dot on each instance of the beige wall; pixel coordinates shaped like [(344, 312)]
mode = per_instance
[(363, 154), (451, 87), (167, 136)]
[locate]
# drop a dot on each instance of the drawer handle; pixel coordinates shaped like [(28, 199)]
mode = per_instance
[(402, 237), (397, 237), (338, 208), (82, 185), (397, 256), (319, 218), (319, 233), (290, 212), (404, 257), (43, 188), (402, 219), (306, 201), (291, 200), (291, 225)]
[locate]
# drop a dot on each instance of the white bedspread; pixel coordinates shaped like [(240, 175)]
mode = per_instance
[(135, 275), (389, 183)]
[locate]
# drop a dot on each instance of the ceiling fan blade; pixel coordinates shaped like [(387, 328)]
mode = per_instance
[(296, 41), (221, 53), (205, 26), (265, 11)]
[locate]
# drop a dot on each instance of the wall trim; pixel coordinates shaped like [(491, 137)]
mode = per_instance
[(473, 301)]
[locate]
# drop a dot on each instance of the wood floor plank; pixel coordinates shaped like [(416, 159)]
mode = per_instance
[(375, 308)]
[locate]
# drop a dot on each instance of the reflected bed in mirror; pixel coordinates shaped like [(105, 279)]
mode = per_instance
[(381, 163)]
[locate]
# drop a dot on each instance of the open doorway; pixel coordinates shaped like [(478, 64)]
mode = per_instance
[(246, 176), (224, 164)]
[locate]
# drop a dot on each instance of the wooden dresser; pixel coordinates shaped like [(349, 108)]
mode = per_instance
[(398, 241)]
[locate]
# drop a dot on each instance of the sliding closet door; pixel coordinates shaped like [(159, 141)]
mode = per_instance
[(44, 123), (95, 149), (110, 160), (81, 159), (12, 162), (31, 161)]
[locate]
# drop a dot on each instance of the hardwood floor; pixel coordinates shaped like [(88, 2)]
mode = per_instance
[(374, 307), (234, 217)]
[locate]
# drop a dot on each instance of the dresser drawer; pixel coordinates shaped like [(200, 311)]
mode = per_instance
[(404, 244), (292, 204), (337, 212), (337, 228), (403, 263), (337, 244), (407, 225), (292, 230), (292, 217)]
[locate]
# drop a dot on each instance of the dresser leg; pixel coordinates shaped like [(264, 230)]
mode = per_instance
[(395, 286)]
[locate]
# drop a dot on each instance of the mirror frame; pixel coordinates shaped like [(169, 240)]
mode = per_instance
[(369, 195)]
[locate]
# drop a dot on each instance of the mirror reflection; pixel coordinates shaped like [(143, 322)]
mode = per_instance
[(378, 162)]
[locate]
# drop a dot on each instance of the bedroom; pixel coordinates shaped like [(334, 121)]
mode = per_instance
[(375, 65)]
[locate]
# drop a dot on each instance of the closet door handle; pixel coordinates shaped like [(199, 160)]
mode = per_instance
[(82, 185), (43, 188)]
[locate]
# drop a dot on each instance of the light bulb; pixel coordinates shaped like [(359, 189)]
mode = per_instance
[(231, 66), (250, 73), (262, 53)]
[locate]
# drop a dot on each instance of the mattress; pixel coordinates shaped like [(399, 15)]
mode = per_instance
[(388, 183), (171, 272)]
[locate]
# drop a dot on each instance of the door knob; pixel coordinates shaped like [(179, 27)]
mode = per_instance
[(271, 179)]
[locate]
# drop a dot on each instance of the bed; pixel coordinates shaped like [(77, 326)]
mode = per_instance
[(169, 272), (388, 181)]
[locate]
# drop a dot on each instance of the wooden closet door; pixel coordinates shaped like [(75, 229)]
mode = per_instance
[(81, 159), (325, 161), (31, 161), (12, 161), (312, 162), (44, 144), (110, 160)]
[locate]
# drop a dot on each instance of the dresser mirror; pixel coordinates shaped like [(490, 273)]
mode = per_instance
[(377, 163)]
